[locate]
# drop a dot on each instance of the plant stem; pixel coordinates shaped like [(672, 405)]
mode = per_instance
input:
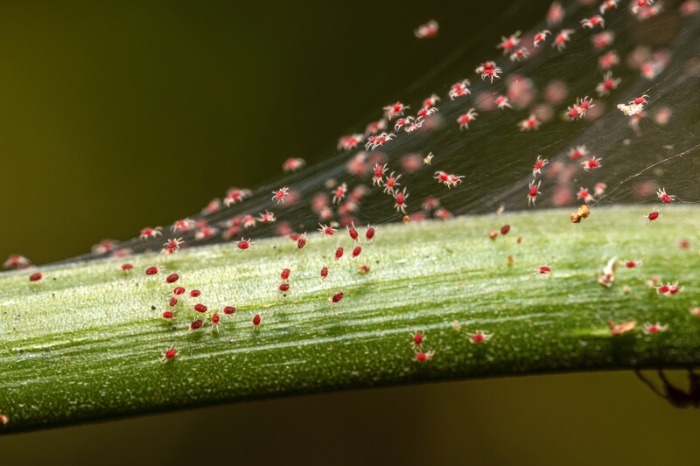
[(84, 342)]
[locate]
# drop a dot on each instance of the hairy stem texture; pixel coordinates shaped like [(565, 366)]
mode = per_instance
[(88, 340)]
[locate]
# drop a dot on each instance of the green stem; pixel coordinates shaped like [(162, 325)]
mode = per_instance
[(84, 342)]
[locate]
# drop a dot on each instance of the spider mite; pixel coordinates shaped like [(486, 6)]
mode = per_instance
[(172, 246), (244, 244), (459, 89), (168, 314), (533, 191), (127, 267), (301, 242), (593, 21), (326, 230), (215, 321), (555, 14), (417, 339), (665, 198), (356, 252), (363, 269), (353, 233), (336, 298), (285, 274), (540, 37), (607, 5), (653, 215), (624, 327), (531, 123), (608, 60), (562, 38), (267, 217), (519, 54), (200, 308), (172, 278), (592, 163), (641, 100), (284, 287), (195, 293), (324, 273), (608, 84), (196, 324), (294, 164), (229, 310), (467, 118), (16, 261), (183, 226), (394, 110), (577, 152), (339, 193), (400, 197), (502, 102), (35, 277), (423, 113), (256, 321), (152, 270), (675, 396), (539, 164), (505, 229), (427, 30), (339, 253), (633, 264), (350, 141), (488, 70), (421, 356), (369, 234), (4, 419), (391, 182), (280, 195), (173, 301), (171, 353), (479, 336), (150, 232), (651, 329), (584, 195), (543, 270), (178, 290), (378, 177)]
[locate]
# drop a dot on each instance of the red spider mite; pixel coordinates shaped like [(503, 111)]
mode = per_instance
[(467, 118), (459, 89), (267, 217), (324, 272), (200, 308), (35, 277), (641, 100), (173, 301), (608, 84), (356, 252), (378, 177), (400, 197), (665, 198), (336, 297), (127, 267), (16, 261), (150, 232), (172, 278), (651, 329), (608, 60), (531, 123), (633, 264), (195, 293), (183, 226), (171, 353), (509, 43), (593, 21), (391, 182), (394, 110), (543, 270), (502, 102), (353, 233), (562, 38), (339, 193), (256, 320), (284, 287), (168, 315), (228, 310), (285, 274), (301, 242), (244, 244), (488, 70), (555, 14), (196, 324), (505, 229), (178, 290), (584, 195), (280, 195), (591, 164), (540, 37), (577, 152), (327, 230), (653, 215), (339, 253), (421, 356), (293, 164), (369, 234), (350, 141), (427, 30), (152, 270), (533, 191), (417, 339), (607, 5), (539, 164)]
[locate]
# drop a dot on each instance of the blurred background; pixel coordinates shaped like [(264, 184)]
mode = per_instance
[(116, 116)]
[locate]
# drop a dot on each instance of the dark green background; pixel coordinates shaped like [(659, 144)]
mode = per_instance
[(119, 115)]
